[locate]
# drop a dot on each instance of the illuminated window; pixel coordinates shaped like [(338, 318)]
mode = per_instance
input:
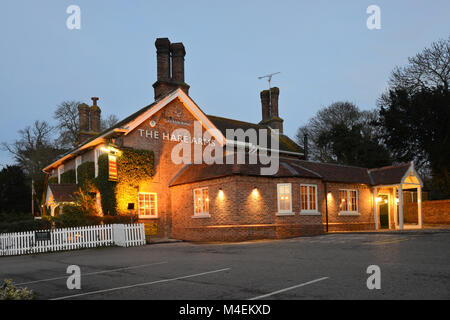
[(284, 198), (201, 202), (348, 201), (308, 196), (147, 205)]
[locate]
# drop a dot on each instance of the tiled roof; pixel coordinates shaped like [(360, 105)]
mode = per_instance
[(293, 167), (198, 172), (286, 144), (63, 192), (389, 175)]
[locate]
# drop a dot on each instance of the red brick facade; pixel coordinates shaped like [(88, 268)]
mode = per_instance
[(433, 212)]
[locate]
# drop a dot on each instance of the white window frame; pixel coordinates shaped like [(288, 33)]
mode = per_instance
[(145, 216), (349, 212), (97, 153), (60, 172), (288, 212), (200, 214), (309, 211), (78, 162)]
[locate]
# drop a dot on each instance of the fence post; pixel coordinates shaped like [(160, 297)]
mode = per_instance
[(119, 235)]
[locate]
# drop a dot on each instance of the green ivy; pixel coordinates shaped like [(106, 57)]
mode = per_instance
[(68, 176), (86, 173), (106, 188), (133, 166)]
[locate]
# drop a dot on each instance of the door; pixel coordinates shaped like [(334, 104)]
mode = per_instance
[(383, 209)]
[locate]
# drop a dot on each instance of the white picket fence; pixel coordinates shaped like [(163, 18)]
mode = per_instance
[(124, 235)]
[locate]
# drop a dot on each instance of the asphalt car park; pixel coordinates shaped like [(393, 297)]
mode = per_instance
[(413, 265)]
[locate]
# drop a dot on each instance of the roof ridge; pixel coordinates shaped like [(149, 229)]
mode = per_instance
[(334, 164), (391, 166), (254, 124)]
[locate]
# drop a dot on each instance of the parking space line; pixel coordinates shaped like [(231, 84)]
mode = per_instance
[(140, 284), (382, 242), (290, 288), (92, 273)]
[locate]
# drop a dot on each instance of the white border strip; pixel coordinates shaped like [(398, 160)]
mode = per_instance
[(139, 284), (287, 289), (92, 273)]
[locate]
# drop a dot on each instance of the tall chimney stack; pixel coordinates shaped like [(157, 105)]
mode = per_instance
[(169, 56), (94, 115), (269, 104), (83, 118), (178, 53)]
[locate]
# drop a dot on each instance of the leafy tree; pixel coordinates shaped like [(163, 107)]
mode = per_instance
[(15, 191), (417, 126), (415, 114), (342, 133)]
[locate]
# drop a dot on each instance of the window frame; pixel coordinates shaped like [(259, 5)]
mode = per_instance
[(141, 216), (202, 214), (309, 210), (97, 153), (349, 212), (288, 212), (77, 159), (60, 172)]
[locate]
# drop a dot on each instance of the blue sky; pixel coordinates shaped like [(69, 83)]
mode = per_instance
[(323, 49)]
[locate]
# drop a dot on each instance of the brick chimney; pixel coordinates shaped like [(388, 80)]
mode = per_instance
[(94, 115), (170, 67), (269, 104), (83, 118)]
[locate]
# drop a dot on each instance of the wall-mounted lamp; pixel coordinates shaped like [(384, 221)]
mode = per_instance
[(110, 150)]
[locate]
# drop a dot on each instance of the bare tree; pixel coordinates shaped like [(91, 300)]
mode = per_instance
[(34, 149), (427, 69), (108, 122), (66, 115)]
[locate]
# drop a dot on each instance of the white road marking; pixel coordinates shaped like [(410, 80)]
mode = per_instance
[(140, 284), (92, 273), (287, 289)]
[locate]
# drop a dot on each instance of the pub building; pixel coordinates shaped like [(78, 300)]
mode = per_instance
[(229, 202)]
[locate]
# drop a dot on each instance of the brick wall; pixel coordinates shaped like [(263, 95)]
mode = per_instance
[(433, 212), (338, 221), (241, 213)]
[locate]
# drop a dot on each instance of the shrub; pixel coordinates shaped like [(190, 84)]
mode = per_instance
[(9, 292), (29, 224), (75, 216), (120, 218)]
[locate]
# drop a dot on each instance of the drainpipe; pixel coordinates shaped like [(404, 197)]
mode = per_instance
[(326, 205)]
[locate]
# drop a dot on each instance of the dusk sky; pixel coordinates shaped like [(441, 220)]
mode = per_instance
[(323, 49)]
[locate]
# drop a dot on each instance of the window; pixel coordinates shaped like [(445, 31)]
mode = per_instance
[(147, 205), (201, 202), (284, 198), (308, 197), (97, 153), (348, 201), (60, 172), (77, 164)]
